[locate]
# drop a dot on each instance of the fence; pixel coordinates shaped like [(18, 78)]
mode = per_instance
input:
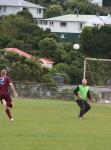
[(102, 94), (43, 90), (54, 91)]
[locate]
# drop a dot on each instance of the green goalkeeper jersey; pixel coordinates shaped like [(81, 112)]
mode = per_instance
[(83, 91)]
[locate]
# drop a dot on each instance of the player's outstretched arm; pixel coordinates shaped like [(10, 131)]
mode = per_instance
[(13, 90)]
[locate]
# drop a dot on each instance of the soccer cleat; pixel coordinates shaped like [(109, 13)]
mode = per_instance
[(80, 117), (11, 120)]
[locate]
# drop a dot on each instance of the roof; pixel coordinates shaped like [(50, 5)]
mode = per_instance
[(18, 51), (96, 20), (106, 19), (98, 2), (100, 20), (26, 55), (19, 3), (72, 17), (46, 60)]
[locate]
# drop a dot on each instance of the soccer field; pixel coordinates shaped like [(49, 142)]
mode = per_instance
[(53, 125)]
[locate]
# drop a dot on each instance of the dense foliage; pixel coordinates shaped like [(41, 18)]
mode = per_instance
[(71, 6), (96, 42), (20, 31), (19, 68), (107, 2)]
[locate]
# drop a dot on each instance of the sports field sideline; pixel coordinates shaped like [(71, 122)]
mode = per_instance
[(53, 125)]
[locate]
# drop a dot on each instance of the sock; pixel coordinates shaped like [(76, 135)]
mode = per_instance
[(8, 113)]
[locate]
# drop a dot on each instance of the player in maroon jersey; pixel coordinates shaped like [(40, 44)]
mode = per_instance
[(5, 98)]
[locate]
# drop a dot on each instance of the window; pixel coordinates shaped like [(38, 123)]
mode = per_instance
[(39, 11), (40, 22), (51, 23), (81, 25), (4, 8), (0, 8), (63, 36), (24, 8), (63, 24), (45, 22)]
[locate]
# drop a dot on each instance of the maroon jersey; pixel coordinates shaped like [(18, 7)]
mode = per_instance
[(4, 84)]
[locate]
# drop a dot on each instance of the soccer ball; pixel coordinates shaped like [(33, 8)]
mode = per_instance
[(76, 46)]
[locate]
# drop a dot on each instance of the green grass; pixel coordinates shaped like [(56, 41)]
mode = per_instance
[(53, 125)]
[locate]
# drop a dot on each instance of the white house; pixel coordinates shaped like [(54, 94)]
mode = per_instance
[(45, 62), (8, 7), (96, 2), (67, 27)]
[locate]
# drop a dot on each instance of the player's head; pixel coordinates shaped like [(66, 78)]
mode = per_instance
[(3, 72), (84, 82)]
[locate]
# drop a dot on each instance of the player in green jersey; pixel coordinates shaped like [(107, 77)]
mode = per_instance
[(82, 94)]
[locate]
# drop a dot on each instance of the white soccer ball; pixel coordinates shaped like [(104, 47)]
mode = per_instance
[(76, 46)]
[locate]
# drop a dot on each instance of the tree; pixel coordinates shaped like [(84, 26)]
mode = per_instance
[(82, 7), (26, 15), (21, 32), (85, 37), (107, 2), (63, 70), (53, 11), (22, 69), (48, 47), (96, 41)]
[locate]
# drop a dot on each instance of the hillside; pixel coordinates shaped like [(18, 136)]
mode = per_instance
[(70, 6), (48, 2)]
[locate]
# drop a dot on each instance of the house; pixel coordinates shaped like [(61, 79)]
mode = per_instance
[(8, 7), (47, 63), (67, 27), (96, 2)]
